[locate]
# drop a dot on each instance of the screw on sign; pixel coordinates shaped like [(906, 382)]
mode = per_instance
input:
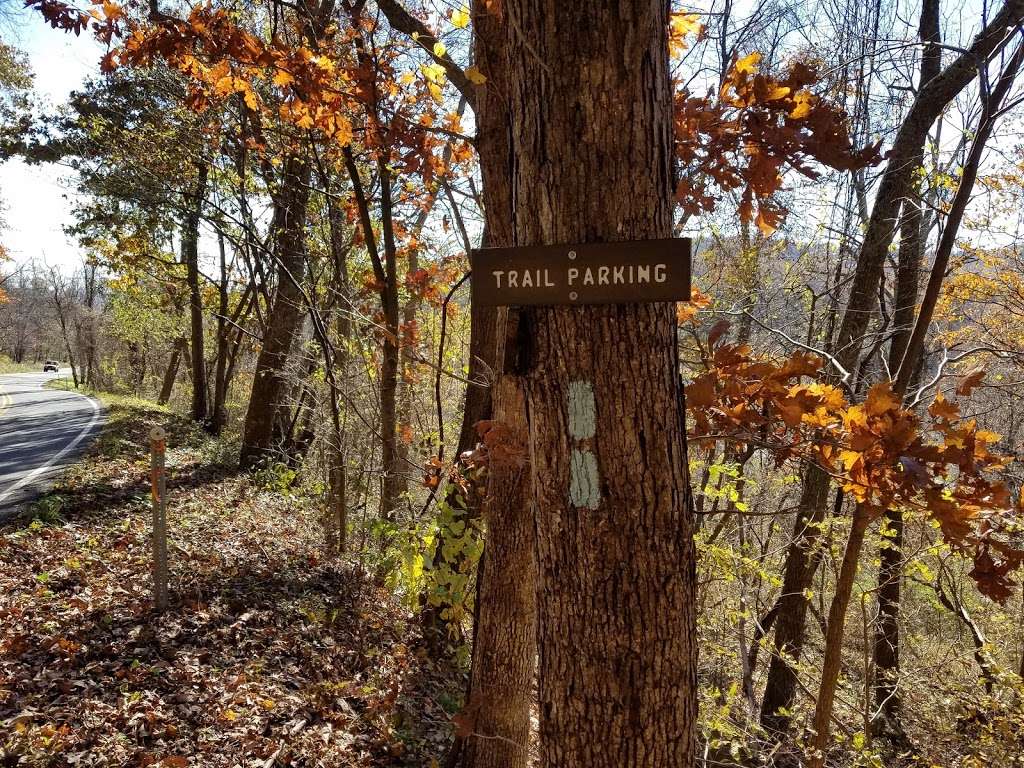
[(158, 485)]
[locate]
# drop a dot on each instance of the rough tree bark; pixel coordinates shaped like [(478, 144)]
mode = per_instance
[(172, 372), (190, 256), (505, 640), (591, 160), (286, 314), (497, 715), (913, 234)]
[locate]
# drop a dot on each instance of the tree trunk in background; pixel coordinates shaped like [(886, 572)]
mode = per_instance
[(801, 564), (913, 234), (591, 105), (894, 187), (62, 305), (190, 256), (220, 372), (833, 658), (337, 504), (285, 316), (492, 143), (88, 342), (992, 104), (172, 372), (393, 485), (497, 715)]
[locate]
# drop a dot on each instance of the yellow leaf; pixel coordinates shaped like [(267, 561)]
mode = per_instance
[(804, 101), (112, 11), (283, 79), (985, 436), (850, 458), (881, 399), (250, 100), (748, 64), (433, 72), (439, 49), (230, 715), (460, 18), (681, 26), (224, 85), (343, 131), (475, 76)]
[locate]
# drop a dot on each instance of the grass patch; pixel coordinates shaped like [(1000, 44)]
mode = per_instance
[(9, 366)]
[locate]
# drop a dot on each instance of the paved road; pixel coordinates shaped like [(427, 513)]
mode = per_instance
[(41, 432)]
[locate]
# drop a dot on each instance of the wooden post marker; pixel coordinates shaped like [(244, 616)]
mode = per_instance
[(158, 485)]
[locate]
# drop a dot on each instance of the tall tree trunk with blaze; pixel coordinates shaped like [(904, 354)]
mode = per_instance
[(591, 160)]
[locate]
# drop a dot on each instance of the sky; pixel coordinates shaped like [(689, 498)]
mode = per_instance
[(37, 199)]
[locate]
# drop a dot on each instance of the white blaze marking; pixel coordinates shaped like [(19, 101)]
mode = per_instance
[(584, 474)]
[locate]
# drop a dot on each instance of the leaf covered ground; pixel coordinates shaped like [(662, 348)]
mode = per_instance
[(270, 654)]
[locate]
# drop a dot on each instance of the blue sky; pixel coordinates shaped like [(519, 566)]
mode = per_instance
[(36, 198)]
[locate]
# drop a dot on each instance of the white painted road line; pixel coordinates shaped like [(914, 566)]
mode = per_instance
[(97, 414)]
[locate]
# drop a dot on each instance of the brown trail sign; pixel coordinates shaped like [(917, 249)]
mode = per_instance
[(588, 273)]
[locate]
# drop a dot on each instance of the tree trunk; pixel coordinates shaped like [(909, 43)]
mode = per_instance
[(894, 186), (337, 503), (394, 485), (190, 256), (220, 378), (913, 233), (886, 650), (492, 142), (591, 106), (931, 99), (801, 564), (286, 315), (171, 373), (832, 662), (497, 715)]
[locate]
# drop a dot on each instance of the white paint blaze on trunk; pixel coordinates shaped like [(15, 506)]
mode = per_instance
[(584, 474)]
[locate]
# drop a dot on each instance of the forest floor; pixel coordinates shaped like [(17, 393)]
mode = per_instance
[(269, 655)]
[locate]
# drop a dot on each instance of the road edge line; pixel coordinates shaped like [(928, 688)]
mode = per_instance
[(97, 412)]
